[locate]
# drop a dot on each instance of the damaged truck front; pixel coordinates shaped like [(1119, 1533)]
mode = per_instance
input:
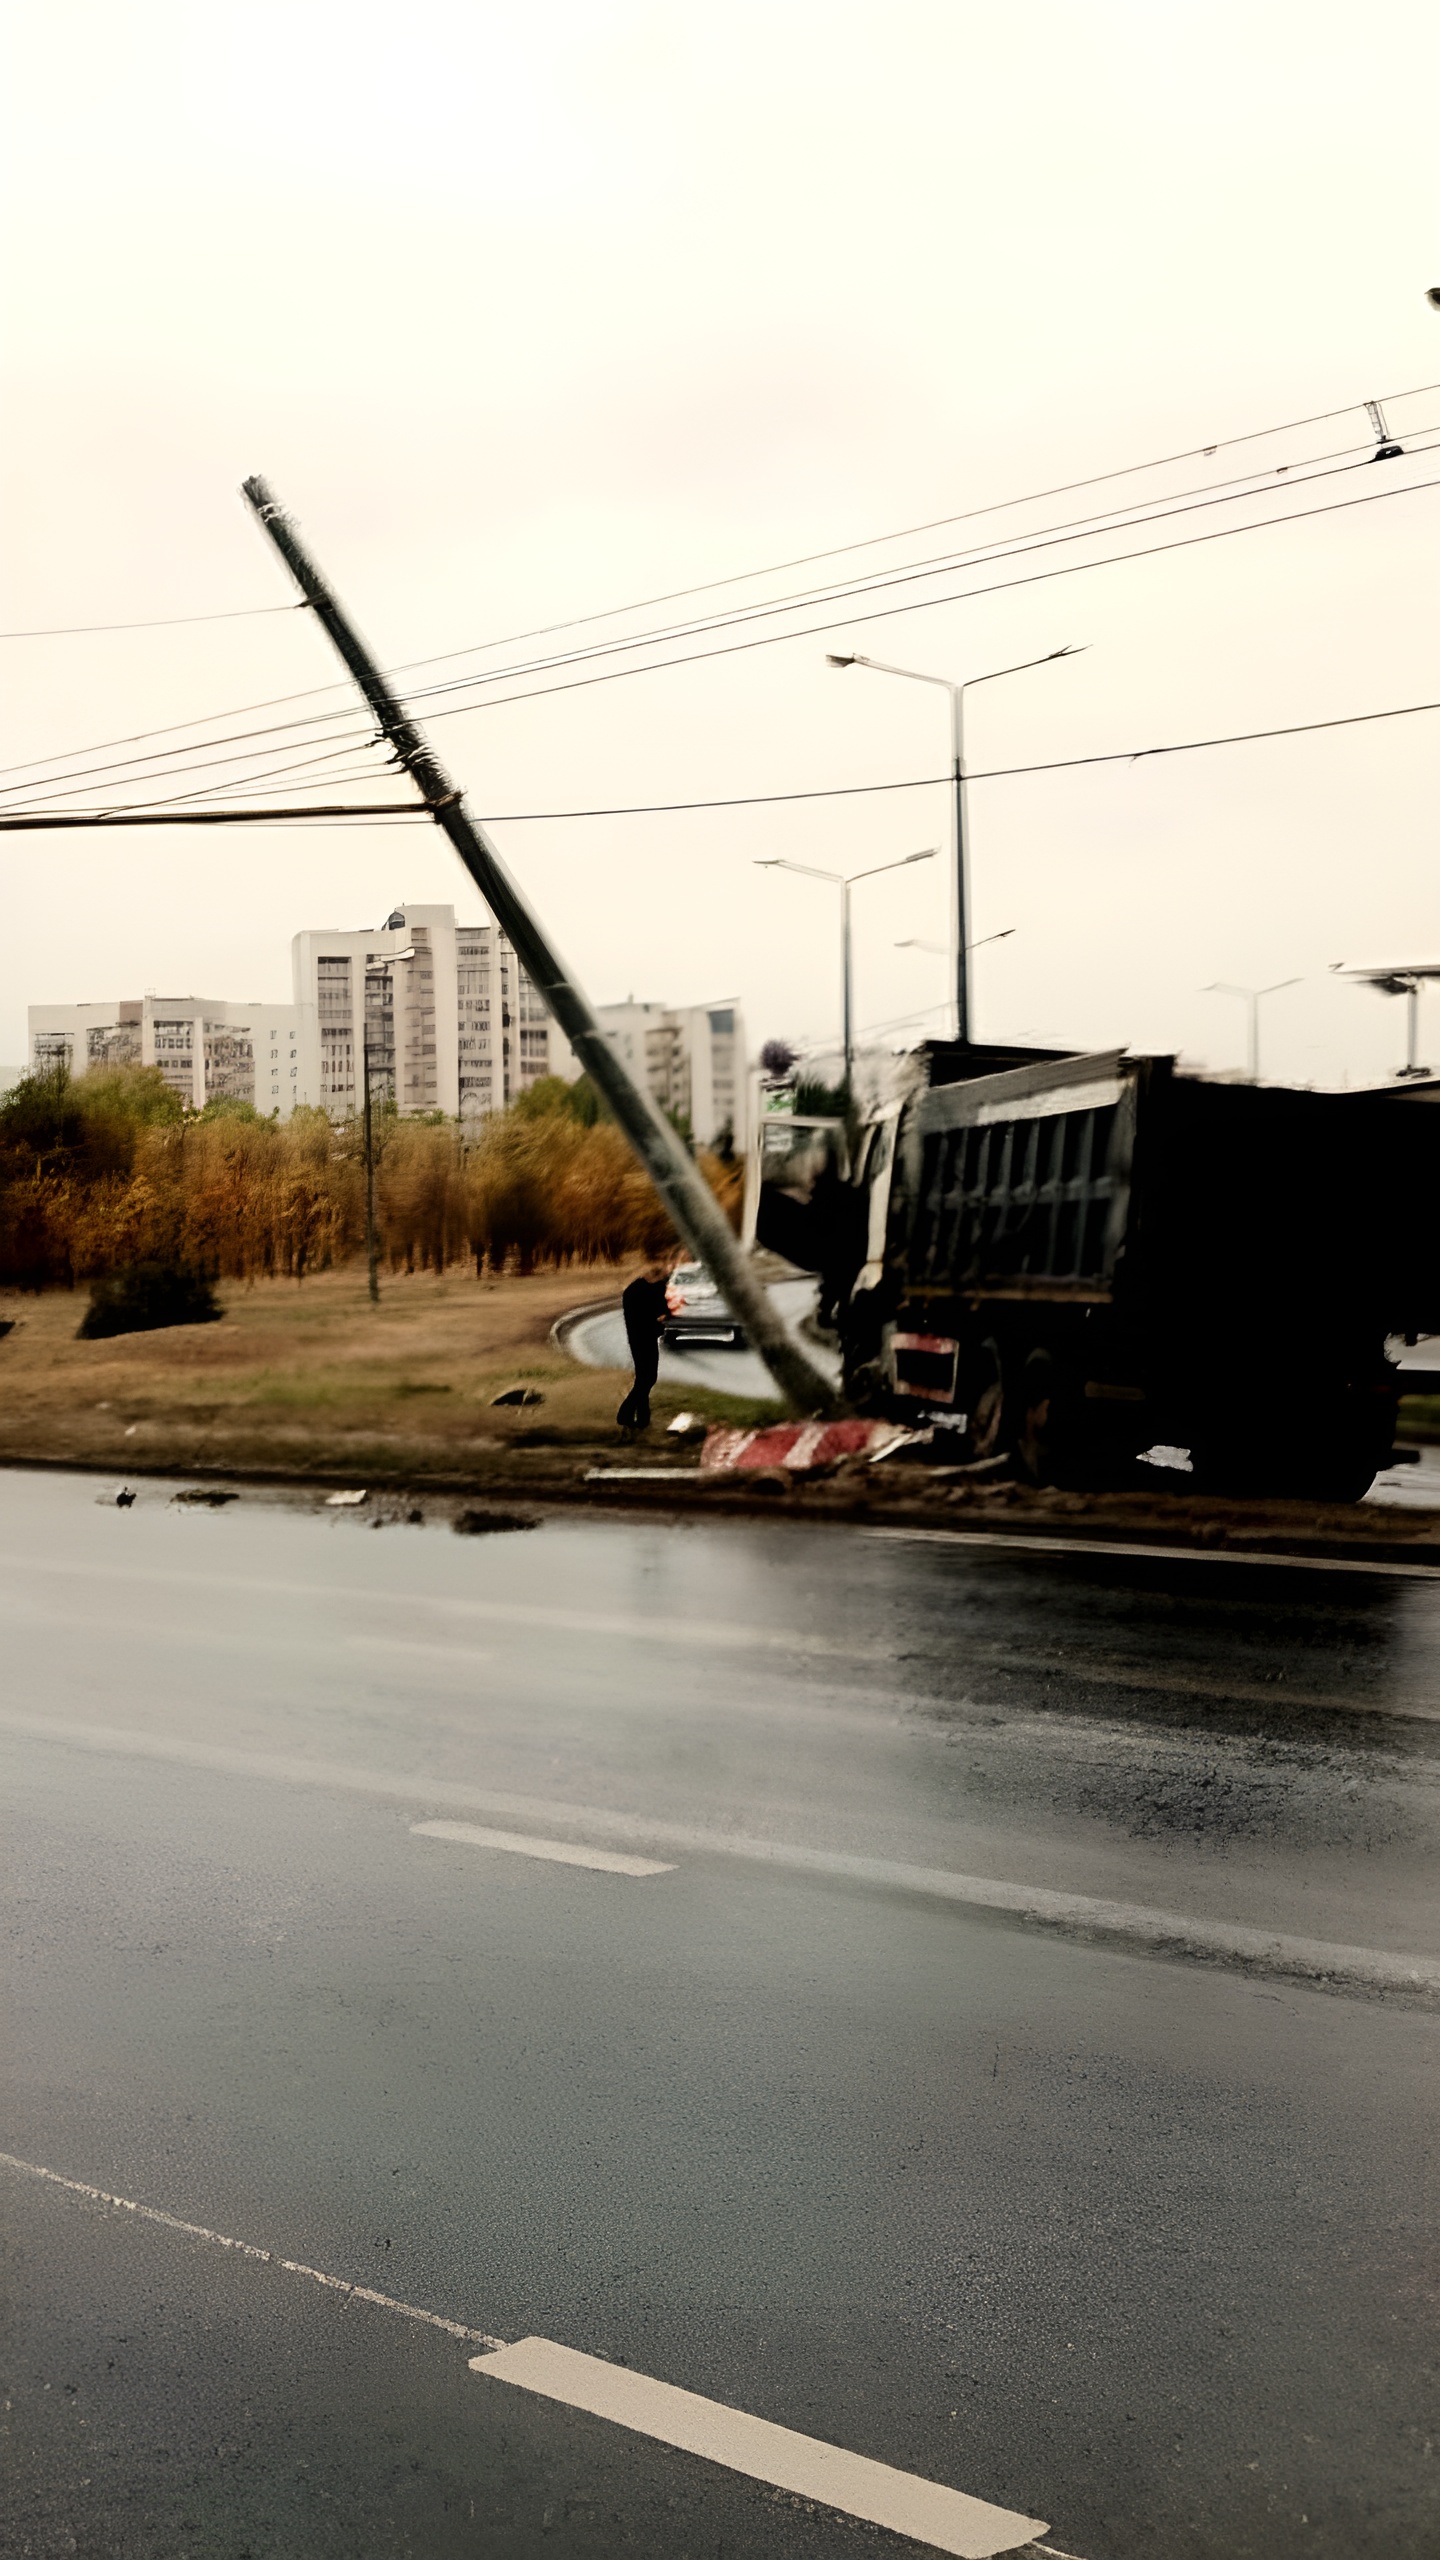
[(1074, 1259)]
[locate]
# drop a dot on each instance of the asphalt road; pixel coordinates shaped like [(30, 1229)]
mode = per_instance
[(1136, 2244)]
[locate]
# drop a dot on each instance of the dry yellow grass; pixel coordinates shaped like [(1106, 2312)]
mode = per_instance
[(306, 1378)]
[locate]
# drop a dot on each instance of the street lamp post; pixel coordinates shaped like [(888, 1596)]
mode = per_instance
[(1405, 980), (1252, 997), (959, 891), (845, 882), (379, 967)]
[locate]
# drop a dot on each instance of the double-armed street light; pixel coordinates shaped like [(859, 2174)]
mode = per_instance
[(845, 882), (959, 892), (1251, 996)]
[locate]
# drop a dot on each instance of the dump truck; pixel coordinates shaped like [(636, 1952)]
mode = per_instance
[(1072, 1260)]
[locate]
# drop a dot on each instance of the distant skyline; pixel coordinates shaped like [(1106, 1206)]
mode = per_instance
[(527, 314)]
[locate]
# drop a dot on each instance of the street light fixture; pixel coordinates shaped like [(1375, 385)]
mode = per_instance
[(911, 943), (845, 882), (959, 894), (378, 965), (1251, 996), (1405, 978)]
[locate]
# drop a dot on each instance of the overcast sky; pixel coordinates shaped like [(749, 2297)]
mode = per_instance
[(529, 312)]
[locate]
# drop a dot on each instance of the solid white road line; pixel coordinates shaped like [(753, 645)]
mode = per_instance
[(565, 1853), (1128, 1926), (924, 2510), (247, 2249), (1166, 1555)]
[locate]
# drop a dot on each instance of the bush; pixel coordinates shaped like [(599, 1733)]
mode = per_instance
[(144, 1299)]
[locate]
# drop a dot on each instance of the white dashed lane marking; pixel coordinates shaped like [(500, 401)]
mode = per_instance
[(564, 1853), (924, 2511), (1077, 1915)]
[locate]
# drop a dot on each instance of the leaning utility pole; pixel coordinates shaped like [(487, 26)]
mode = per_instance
[(686, 1195)]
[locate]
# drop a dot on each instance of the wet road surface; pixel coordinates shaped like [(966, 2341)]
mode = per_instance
[(770, 2104)]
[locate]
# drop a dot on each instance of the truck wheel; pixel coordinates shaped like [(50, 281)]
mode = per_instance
[(987, 1407), (1035, 1431)]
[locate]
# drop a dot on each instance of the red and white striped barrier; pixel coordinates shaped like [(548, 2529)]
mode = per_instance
[(797, 1446)]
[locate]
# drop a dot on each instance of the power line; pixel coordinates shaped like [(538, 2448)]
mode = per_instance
[(84, 775), (1131, 470), (95, 776), (906, 533), (92, 781), (1191, 746), (67, 818), (166, 622), (1228, 493), (157, 814), (71, 787), (922, 604), (991, 773), (1046, 539)]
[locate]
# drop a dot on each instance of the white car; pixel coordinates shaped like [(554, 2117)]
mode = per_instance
[(695, 1312)]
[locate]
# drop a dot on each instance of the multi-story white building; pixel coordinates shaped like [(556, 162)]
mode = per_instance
[(690, 1060), (203, 1046), (452, 1026)]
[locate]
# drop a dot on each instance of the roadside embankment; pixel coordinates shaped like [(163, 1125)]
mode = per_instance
[(305, 1383), (307, 1380)]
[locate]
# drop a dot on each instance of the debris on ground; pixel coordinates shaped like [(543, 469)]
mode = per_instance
[(344, 1501), (518, 1395), (479, 1524), (210, 1496), (798, 1447)]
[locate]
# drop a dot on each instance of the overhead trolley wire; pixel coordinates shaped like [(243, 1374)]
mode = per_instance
[(275, 740), (1046, 538), (922, 604), (872, 584), (69, 789), (732, 648), (935, 524), (1094, 480), (275, 773), (85, 780), (262, 774)]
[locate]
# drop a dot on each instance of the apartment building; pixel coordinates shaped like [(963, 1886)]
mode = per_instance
[(451, 1020), (202, 1045), (690, 1060)]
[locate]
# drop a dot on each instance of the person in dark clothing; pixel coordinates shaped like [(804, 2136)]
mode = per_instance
[(643, 1306)]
